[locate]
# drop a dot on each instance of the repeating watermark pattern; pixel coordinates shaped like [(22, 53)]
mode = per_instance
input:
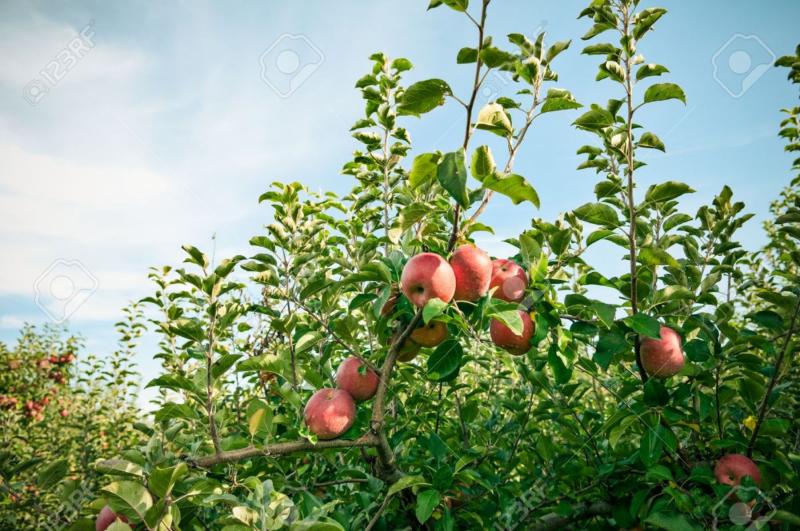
[(743, 507), (740, 62), (63, 288), (69, 510), (62, 64), (288, 63)]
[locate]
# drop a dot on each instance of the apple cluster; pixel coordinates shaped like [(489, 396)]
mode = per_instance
[(469, 275)]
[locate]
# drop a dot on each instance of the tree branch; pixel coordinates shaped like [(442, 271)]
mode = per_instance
[(283, 448), (762, 410)]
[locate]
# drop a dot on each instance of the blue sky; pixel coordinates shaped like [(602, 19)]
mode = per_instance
[(163, 132)]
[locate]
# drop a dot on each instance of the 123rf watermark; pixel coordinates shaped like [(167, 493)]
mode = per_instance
[(60, 65)]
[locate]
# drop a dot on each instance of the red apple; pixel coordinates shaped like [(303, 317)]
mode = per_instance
[(408, 349), (330, 412), (662, 358), (731, 468), (357, 379), (431, 334), (505, 338), (427, 276), (106, 517), (509, 279), (64, 413), (473, 270)]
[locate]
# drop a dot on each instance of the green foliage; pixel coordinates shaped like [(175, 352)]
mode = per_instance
[(60, 411), (466, 436)]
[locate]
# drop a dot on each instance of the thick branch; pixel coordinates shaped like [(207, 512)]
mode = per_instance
[(762, 410), (284, 448), (631, 205)]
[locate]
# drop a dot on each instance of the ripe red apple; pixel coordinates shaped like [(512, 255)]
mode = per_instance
[(505, 338), (408, 349), (427, 276), (357, 379), (106, 517), (662, 358), (64, 413), (509, 279), (330, 412), (731, 468), (473, 270), (430, 335)]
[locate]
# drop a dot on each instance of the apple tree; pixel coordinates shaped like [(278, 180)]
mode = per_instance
[(367, 367)]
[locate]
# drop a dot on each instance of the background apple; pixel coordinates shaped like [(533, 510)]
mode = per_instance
[(510, 280), (408, 349), (330, 412), (505, 338), (427, 276), (662, 358), (431, 334), (731, 468), (357, 379), (473, 270)]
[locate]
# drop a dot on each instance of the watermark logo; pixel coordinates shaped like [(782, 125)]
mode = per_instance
[(740, 62), (744, 508), (63, 288), (62, 64), (289, 62)]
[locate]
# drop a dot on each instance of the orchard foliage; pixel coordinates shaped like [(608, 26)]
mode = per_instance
[(61, 411), (466, 436)]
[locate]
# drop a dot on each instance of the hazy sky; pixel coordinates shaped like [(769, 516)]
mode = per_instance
[(127, 129)]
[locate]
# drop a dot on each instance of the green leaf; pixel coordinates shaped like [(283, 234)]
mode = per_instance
[(655, 394), (128, 498), (645, 19), (406, 482), (483, 163), (605, 312), (423, 96), (664, 91), (667, 191), (163, 479), (651, 141), (659, 473), (466, 56), (423, 169), (671, 521), (307, 341), (452, 175), (594, 120), (493, 117), (598, 214), (511, 319), (559, 100), (433, 309), (650, 447), (556, 49), (645, 325), (600, 49), (52, 473), (512, 186), (495, 57), (653, 256), (560, 371), (224, 363), (427, 500), (445, 361), (608, 345), (649, 70), (119, 467)]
